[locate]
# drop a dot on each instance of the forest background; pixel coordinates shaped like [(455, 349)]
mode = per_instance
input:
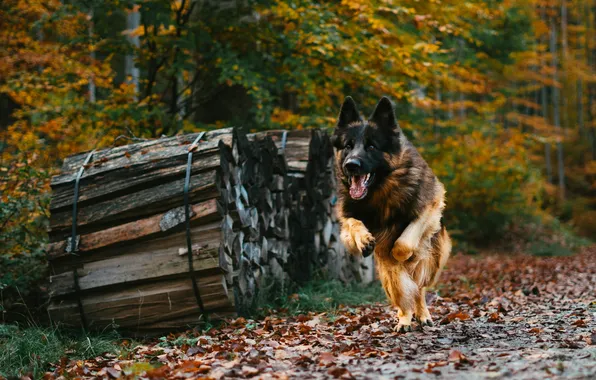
[(499, 96)]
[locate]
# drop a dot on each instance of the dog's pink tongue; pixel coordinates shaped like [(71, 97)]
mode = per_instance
[(357, 187)]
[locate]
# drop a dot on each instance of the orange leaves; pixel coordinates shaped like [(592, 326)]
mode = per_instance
[(139, 31), (455, 315), (419, 20), (540, 28), (456, 356), (355, 5), (426, 48)]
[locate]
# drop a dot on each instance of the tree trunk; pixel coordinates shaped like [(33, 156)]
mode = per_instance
[(557, 121), (544, 110), (547, 147), (564, 71), (580, 85), (580, 106), (133, 21), (92, 56), (591, 53)]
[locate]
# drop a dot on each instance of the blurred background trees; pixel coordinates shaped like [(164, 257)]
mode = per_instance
[(500, 96)]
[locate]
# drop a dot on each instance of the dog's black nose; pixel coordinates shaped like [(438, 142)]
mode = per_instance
[(352, 165)]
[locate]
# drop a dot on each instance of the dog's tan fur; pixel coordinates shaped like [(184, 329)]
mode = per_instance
[(408, 260)]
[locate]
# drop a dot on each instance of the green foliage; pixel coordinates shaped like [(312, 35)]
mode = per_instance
[(23, 225), (23, 210), (32, 351), (20, 276), (486, 188)]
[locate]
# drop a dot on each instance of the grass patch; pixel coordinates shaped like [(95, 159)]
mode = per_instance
[(328, 296), (543, 249), (555, 239), (540, 236), (31, 351)]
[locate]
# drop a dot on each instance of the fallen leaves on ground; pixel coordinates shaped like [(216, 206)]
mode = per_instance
[(498, 315)]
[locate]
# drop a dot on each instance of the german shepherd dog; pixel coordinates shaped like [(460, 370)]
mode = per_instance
[(390, 203)]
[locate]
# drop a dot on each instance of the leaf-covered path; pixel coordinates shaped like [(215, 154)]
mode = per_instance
[(498, 316)]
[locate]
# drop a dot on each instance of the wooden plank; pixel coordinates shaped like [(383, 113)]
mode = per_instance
[(154, 259), (186, 322), (108, 159), (134, 230), (142, 305), (125, 179), (141, 203)]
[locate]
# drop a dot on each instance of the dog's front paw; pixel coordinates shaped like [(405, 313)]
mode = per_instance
[(357, 239), (402, 250), (425, 321), (369, 248), (403, 327), (404, 323)]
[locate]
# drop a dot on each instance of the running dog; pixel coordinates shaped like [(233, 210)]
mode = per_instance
[(391, 203)]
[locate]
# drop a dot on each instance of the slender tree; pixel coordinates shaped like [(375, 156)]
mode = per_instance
[(564, 66), (91, 85), (547, 148), (591, 53), (580, 83), (556, 108), (133, 21), (544, 108)]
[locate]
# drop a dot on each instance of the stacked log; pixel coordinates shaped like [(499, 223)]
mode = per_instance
[(314, 227), (252, 185), (274, 220)]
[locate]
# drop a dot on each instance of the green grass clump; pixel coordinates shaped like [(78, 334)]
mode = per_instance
[(555, 239), (31, 351), (327, 296), (543, 249)]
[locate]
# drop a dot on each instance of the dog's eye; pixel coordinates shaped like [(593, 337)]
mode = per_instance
[(349, 146), (371, 147)]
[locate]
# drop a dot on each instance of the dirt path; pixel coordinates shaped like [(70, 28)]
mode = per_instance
[(521, 317)]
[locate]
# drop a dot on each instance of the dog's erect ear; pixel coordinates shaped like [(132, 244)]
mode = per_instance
[(348, 113), (383, 115)]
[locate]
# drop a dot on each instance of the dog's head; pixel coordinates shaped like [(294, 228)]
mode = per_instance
[(363, 146)]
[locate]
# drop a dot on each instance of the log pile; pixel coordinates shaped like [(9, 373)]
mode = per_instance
[(260, 217), (252, 186), (314, 228)]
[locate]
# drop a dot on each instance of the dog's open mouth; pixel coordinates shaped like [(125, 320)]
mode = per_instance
[(359, 185)]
